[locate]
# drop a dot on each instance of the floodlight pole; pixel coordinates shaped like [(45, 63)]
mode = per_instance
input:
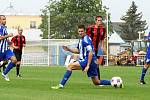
[(107, 29), (48, 35), (107, 36), (140, 33)]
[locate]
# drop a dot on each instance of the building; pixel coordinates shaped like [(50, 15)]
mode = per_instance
[(115, 41), (25, 21), (29, 23)]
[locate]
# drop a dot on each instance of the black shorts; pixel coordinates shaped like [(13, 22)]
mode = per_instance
[(18, 54)]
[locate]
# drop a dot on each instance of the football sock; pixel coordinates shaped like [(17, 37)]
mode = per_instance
[(4, 67), (144, 70), (66, 77), (98, 72), (17, 69), (9, 67), (105, 82)]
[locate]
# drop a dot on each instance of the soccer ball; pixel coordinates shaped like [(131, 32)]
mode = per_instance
[(116, 82)]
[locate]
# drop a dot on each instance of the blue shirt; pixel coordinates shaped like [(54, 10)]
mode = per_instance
[(148, 48), (85, 46), (4, 42)]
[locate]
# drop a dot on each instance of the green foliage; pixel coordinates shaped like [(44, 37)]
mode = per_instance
[(44, 25), (132, 23), (65, 15)]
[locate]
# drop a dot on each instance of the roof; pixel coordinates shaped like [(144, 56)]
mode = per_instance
[(115, 38)]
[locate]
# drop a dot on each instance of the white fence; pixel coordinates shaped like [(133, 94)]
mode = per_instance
[(50, 52), (35, 53), (46, 52)]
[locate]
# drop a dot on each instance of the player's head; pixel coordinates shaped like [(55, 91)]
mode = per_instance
[(2, 19), (98, 20), (81, 30), (20, 30)]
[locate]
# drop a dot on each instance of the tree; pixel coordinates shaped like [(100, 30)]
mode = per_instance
[(44, 25), (65, 15), (132, 23)]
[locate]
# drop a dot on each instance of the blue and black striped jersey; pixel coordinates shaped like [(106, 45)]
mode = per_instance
[(4, 42)]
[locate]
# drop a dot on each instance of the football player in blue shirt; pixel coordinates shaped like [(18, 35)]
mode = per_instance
[(86, 61), (5, 52), (147, 60)]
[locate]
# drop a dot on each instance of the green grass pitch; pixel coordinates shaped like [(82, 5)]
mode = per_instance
[(36, 82)]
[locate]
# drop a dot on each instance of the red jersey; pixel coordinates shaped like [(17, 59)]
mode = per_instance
[(97, 34), (19, 40)]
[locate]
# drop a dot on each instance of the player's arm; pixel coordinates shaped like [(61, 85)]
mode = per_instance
[(75, 50), (6, 36), (102, 39), (13, 45), (89, 61), (24, 43), (90, 56), (1, 34)]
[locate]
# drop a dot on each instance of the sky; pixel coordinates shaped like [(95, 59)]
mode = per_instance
[(28, 7), (117, 8)]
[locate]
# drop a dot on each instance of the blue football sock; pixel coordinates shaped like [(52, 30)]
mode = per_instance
[(66, 77), (105, 82), (144, 70), (9, 67)]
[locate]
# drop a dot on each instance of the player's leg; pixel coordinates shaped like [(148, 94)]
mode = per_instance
[(18, 69), (96, 81), (9, 67), (10, 55), (5, 62), (72, 66), (18, 56), (1, 65), (144, 70), (99, 52), (98, 71), (92, 72), (70, 59)]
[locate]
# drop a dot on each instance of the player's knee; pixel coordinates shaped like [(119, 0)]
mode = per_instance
[(70, 67), (14, 61), (146, 65)]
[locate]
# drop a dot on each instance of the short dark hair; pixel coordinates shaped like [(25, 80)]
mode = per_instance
[(81, 26), (1, 16), (98, 17)]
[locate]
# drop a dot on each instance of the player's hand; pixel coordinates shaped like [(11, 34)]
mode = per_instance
[(16, 47), (86, 68), (24, 45), (65, 48), (10, 35)]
